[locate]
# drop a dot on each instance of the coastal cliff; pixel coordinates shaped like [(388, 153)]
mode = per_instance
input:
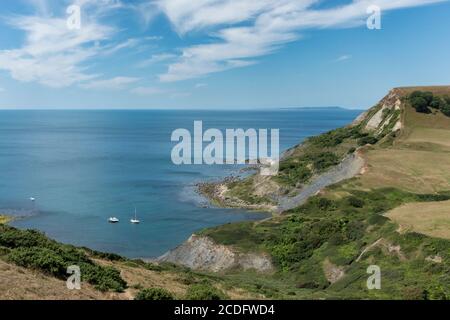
[(336, 196), (374, 193), (201, 253)]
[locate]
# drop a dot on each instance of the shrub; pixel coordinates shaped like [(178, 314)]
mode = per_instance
[(377, 219), (422, 101), (420, 104), (154, 294), (14, 238), (445, 109), (437, 103), (324, 160), (333, 138), (367, 140), (325, 204), (355, 202), (32, 249), (39, 258), (204, 292), (103, 278)]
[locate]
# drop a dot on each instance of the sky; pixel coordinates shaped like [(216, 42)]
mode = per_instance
[(217, 54)]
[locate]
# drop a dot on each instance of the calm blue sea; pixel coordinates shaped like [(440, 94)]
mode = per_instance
[(85, 166)]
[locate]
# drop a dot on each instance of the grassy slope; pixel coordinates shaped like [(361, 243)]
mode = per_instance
[(34, 267), (332, 230)]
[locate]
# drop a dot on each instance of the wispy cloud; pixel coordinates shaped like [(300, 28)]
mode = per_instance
[(147, 91), (52, 54), (241, 31), (343, 58), (200, 85), (156, 58), (130, 43), (113, 83), (229, 34)]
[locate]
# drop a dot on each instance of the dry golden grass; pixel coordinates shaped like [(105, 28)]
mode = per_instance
[(430, 218), (410, 170), (439, 90), (4, 219), (17, 283), (171, 281), (418, 162)]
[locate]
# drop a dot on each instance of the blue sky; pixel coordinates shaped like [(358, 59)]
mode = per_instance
[(216, 54)]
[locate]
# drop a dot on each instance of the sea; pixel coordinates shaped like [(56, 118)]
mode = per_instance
[(84, 166)]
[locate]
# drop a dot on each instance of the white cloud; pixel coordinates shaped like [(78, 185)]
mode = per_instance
[(114, 83), (241, 31), (147, 91), (238, 32), (52, 54), (156, 58), (200, 85), (130, 43), (343, 58)]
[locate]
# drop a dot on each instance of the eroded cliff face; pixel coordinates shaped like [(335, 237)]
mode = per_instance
[(385, 116), (202, 253)]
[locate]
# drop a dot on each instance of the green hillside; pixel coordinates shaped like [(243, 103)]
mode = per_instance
[(322, 248)]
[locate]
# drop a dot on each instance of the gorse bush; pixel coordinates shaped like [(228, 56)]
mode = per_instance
[(32, 249), (204, 292), (367, 140), (334, 137), (103, 278), (39, 258), (154, 294)]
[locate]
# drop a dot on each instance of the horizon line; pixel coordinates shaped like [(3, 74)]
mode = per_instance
[(182, 109)]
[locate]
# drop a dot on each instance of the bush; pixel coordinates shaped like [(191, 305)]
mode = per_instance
[(103, 278), (420, 104), (39, 258), (367, 140), (445, 109), (355, 202), (437, 103), (14, 238), (324, 160), (377, 219), (422, 101), (333, 138), (204, 292), (154, 294), (32, 249)]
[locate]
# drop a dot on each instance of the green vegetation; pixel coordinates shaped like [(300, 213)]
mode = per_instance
[(32, 249), (154, 294), (317, 155), (423, 101), (240, 189), (204, 291), (338, 230)]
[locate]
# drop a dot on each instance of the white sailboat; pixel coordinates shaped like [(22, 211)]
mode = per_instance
[(113, 220), (135, 219)]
